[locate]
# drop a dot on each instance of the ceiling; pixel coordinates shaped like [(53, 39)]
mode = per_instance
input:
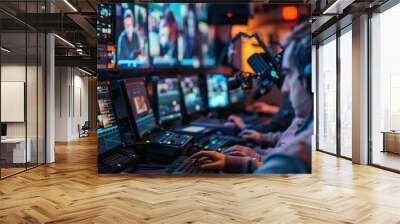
[(72, 20)]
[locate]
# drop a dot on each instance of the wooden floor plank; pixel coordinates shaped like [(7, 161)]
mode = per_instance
[(71, 191)]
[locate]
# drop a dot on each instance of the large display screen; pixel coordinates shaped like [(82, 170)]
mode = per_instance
[(131, 40), (191, 94), (105, 23), (217, 91), (169, 99), (195, 46), (164, 22), (140, 105)]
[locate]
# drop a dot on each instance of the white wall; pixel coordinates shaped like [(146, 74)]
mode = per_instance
[(71, 102)]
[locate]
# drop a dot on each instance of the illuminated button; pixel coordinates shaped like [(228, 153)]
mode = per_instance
[(147, 141)]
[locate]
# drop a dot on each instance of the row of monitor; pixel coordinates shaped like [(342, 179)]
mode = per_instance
[(154, 34), (173, 97)]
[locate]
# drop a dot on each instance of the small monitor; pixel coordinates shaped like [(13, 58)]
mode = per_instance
[(106, 56), (237, 96), (140, 105), (191, 94), (104, 22), (108, 134), (131, 39), (3, 130), (169, 99), (217, 91)]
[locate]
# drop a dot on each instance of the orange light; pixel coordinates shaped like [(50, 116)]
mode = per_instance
[(289, 12)]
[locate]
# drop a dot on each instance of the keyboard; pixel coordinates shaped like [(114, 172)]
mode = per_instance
[(171, 138), (183, 165), (217, 142)]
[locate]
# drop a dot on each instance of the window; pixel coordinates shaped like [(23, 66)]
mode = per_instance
[(385, 89), (327, 96), (346, 95)]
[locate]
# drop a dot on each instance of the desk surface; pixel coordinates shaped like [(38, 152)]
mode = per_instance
[(390, 132)]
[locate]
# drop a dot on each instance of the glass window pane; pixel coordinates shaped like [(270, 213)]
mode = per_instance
[(385, 84), (327, 97), (32, 97), (13, 87), (346, 94)]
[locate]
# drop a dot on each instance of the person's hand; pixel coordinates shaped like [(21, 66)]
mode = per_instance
[(251, 135), (238, 150), (209, 160), (234, 120), (262, 107)]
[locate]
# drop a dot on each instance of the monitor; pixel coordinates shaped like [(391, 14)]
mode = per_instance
[(106, 56), (107, 127), (169, 99), (140, 105), (131, 39), (3, 130), (104, 23), (217, 91), (190, 39), (236, 95), (164, 22), (191, 94)]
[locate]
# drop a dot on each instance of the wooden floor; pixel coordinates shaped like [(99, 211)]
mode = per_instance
[(70, 191)]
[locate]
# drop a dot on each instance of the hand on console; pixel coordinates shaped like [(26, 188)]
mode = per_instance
[(210, 160), (235, 121), (243, 151)]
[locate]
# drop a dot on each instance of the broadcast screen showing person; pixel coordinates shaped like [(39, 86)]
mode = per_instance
[(169, 103), (104, 23), (191, 94), (217, 91), (132, 44), (140, 105), (107, 128), (207, 46), (195, 39), (164, 22)]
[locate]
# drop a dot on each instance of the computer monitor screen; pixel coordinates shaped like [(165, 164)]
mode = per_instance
[(104, 22), (191, 94), (107, 126), (217, 91), (140, 105), (236, 95), (131, 27), (165, 20), (106, 56), (3, 129), (169, 103)]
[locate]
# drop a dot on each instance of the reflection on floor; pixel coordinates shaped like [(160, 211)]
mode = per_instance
[(71, 191), (386, 159), (8, 171)]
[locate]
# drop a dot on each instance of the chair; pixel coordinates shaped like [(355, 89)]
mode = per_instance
[(84, 130)]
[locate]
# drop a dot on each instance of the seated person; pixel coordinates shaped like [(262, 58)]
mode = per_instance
[(279, 122), (294, 143), (262, 107)]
